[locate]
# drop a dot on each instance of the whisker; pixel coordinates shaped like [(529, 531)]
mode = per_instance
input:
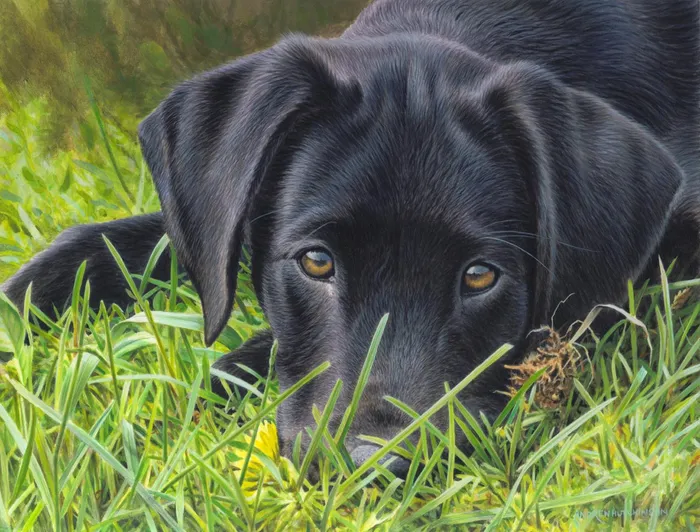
[(498, 222), (264, 215), (533, 235), (321, 227), (519, 248), (499, 233)]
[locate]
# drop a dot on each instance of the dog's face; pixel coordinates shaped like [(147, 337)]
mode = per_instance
[(399, 210), (463, 198)]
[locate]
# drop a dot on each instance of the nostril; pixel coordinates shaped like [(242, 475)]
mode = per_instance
[(398, 466), (362, 453)]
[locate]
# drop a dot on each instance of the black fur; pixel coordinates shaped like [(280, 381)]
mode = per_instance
[(556, 140), (52, 271)]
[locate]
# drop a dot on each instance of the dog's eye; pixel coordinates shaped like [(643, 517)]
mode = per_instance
[(478, 278), (317, 263)]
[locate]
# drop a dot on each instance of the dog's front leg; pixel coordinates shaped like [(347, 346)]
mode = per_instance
[(52, 272), (254, 353)]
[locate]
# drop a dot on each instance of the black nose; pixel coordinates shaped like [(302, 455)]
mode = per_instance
[(398, 466)]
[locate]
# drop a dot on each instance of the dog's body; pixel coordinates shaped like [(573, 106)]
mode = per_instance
[(552, 145)]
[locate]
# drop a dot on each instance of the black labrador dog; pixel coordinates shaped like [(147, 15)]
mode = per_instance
[(463, 165)]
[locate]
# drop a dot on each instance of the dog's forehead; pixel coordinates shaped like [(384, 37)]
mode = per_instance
[(396, 164)]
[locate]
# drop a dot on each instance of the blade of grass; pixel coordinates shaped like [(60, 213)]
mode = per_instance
[(350, 412), (26, 456), (143, 304), (152, 261), (105, 139), (318, 433)]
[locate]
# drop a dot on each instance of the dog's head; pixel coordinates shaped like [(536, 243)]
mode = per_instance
[(464, 198)]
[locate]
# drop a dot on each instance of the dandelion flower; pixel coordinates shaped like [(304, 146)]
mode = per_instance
[(265, 444)]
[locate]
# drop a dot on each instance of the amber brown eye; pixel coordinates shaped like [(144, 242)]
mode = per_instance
[(317, 263), (478, 278)]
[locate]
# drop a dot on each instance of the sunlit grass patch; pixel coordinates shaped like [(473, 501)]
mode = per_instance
[(99, 430)]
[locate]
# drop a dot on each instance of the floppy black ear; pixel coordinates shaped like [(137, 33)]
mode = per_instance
[(603, 188), (209, 146)]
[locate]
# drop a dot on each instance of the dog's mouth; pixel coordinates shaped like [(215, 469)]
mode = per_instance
[(384, 457), (360, 453), (386, 448)]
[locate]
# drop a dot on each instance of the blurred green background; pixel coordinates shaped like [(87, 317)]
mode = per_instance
[(76, 76)]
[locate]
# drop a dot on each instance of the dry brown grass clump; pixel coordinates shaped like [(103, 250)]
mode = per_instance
[(561, 362), (683, 297)]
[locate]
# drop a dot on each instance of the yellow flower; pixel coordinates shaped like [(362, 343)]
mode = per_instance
[(266, 443)]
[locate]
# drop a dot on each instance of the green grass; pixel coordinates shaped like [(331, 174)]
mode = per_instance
[(105, 424)]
